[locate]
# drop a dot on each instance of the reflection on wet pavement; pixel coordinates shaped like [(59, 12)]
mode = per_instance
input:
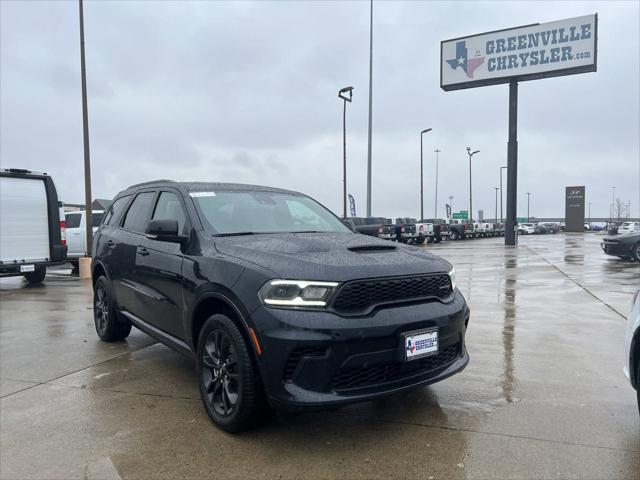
[(543, 396)]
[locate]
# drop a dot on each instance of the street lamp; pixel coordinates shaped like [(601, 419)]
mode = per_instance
[(435, 209), (342, 94), (613, 203), (421, 179), (496, 189), (451, 204), (528, 197), (471, 154), (589, 215), (501, 168)]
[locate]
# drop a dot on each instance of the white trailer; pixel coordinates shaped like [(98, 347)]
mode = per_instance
[(31, 236)]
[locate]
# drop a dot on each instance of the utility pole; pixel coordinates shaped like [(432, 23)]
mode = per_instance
[(341, 94), (85, 138), (528, 197), (496, 189), (435, 209), (421, 175), (451, 204), (510, 237), (370, 110), (589, 215)]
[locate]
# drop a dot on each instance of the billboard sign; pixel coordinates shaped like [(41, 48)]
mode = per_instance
[(574, 209), (529, 52)]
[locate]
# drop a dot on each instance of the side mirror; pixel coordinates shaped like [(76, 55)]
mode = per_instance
[(165, 231), (349, 223)]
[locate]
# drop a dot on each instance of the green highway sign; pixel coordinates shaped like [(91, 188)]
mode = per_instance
[(521, 219), (463, 215)]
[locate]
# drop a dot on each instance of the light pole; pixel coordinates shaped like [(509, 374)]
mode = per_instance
[(341, 94), (370, 109), (421, 178), (528, 197), (589, 215), (501, 168), (435, 209), (471, 154), (496, 189), (451, 204), (613, 203)]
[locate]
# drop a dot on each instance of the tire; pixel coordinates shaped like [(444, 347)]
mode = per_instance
[(635, 254), (637, 385), (36, 276), (110, 326), (453, 235), (229, 381)]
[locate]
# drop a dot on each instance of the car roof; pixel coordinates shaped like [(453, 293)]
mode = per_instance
[(187, 187)]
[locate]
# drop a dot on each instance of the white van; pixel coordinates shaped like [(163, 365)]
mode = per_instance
[(31, 231), (77, 233)]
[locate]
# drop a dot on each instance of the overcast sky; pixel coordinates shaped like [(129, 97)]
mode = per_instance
[(247, 92)]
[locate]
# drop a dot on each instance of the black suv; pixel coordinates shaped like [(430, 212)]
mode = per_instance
[(278, 301)]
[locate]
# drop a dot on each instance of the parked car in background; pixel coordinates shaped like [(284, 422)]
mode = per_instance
[(439, 226), (628, 227), (526, 229), (613, 228), (460, 231), (424, 231), (32, 234), (632, 346), (405, 229), (77, 233), (278, 302), (379, 227), (596, 228), (623, 245), (550, 227)]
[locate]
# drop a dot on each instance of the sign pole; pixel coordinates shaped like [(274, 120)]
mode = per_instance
[(85, 137), (510, 237)]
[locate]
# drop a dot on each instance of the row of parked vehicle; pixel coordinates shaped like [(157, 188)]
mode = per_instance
[(411, 230)]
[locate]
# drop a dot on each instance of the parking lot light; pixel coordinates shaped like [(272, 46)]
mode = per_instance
[(426, 130), (501, 168), (528, 198), (471, 154), (343, 95), (496, 189)]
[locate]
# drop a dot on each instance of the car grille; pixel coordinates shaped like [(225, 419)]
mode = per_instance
[(361, 295), (297, 355), (368, 376)]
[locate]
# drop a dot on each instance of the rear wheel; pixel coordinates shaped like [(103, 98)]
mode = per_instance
[(37, 275), (635, 254), (230, 385), (110, 326), (453, 235)]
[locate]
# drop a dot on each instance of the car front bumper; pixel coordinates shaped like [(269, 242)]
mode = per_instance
[(616, 249), (312, 360)]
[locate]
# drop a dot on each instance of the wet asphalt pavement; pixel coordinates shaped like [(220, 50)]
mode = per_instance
[(543, 397)]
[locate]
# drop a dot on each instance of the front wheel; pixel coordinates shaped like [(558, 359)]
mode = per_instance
[(36, 276), (635, 253), (453, 235), (230, 385)]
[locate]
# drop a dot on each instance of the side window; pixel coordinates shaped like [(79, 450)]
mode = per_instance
[(170, 208), (96, 218), (114, 213), (136, 219), (72, 220)]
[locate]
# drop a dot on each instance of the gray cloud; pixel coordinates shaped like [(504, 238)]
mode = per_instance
[(247, 92)]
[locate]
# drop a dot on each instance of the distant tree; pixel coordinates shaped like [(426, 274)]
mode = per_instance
[(621, 210)]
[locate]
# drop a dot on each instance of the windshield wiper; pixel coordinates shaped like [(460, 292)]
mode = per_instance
[(308, 231)]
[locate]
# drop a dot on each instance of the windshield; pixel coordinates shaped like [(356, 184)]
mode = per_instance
[(250, 212)]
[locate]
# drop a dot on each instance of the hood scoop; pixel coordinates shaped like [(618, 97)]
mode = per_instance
[(372, 248)]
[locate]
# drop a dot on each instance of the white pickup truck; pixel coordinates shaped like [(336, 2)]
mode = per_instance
[(31, 231), (77, 233)]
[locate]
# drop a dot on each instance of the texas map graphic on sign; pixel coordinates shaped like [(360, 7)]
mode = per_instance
[(468, 65)]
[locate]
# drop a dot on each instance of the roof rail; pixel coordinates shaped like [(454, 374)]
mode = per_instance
[(151, 182)]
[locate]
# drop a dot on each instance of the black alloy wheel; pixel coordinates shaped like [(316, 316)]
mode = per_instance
[(636, 252), (220, 372), (110, 327), (230, 384)]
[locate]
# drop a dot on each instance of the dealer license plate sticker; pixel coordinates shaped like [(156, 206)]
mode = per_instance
[(27, 268), (420, 344)]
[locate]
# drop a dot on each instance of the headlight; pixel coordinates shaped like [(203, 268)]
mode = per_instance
[(297, 293), (452, 277)]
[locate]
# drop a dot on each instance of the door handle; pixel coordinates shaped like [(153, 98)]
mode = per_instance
[(110, 244), (142, 251)]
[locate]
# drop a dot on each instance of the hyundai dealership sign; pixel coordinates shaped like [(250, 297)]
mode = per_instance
[(534, 51)]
